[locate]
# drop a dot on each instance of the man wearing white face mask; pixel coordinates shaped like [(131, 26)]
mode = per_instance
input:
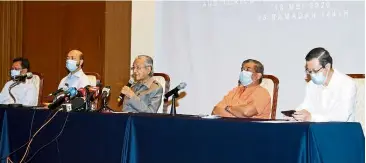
[(76, 78), (330, 95), (248, 99), (26, 92)]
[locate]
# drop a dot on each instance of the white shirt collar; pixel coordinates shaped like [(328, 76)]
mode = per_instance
[(333, 82), (77, 74)]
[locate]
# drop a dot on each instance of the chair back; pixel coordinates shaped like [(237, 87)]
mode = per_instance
[(359, 80), (37, 81), (94, 78), (164, 81), (271, 82)]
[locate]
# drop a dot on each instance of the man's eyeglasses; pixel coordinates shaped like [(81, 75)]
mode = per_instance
[(246, 68), (314, 71), (137, 68)]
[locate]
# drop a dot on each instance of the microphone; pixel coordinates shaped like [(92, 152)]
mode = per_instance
[(92, 92), (121, 96), (105, 92), (82, 92), (56, 103), (70, 93), (17, 80), (23, 76), (62, 89), (78, 103), (175, 90)]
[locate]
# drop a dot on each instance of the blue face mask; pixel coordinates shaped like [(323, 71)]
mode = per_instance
[(318, 78), (71, 65), (14, 73), (245, 78)]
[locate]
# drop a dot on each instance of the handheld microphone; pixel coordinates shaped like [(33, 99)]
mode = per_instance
[(121, 96), (92, 92), (105, 92), (56, 103), (62, 89), (82, 92), (61, 98), (72, 92), (175, 90)]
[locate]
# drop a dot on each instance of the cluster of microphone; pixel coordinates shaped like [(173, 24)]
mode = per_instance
[(81, 98)]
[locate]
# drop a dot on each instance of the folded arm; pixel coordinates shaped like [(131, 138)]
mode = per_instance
[(243, 111), (151, 106)]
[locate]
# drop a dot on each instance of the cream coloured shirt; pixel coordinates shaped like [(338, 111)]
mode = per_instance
[(335, 102)]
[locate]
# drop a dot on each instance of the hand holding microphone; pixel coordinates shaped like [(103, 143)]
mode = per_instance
[(125, 91)]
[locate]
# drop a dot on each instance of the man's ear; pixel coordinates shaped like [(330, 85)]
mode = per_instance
[(81, 62), (24, 71), (150, 70), (327, 66), (259, 75)]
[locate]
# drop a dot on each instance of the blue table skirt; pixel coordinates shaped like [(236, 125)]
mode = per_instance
[(140, 138)]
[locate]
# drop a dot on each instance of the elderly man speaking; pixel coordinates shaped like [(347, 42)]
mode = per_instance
[(145, 94)]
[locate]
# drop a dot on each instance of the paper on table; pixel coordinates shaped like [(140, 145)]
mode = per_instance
[(210, 117), (119, 112), (277, 121)]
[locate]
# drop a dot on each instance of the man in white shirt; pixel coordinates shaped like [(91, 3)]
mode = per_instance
[(76, 78), (25, 92), (330, 95)]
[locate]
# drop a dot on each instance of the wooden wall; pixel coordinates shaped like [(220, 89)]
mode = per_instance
[(11, 19), (51, 29)]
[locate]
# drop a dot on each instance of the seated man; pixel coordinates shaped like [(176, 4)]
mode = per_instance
[(330, 95), (145, 94), (248, 99), (25, 93), (76, 78)]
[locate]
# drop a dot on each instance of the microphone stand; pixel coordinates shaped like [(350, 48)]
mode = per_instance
[(10, 88), (173, 110), (87, 100), (105, 106)]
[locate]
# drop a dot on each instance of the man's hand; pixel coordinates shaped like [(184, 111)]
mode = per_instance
[(288, 118), (128, 92), (221, 112), (302, 115)]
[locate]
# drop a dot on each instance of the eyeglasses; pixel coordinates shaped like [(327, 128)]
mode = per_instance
[(246, 69), (313, 72), (137, 68)]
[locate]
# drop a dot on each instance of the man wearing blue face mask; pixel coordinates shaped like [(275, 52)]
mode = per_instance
[(330, 95), (76, 77), (248, 99), (25, 92)]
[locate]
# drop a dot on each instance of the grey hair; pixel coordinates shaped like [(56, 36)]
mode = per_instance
[(148, 63)]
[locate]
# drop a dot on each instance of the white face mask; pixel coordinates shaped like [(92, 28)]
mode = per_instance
[(319, 78), (245, 78), (71, 65), (14, 73)]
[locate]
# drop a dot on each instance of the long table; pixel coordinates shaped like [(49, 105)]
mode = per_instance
[(134, 138)]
